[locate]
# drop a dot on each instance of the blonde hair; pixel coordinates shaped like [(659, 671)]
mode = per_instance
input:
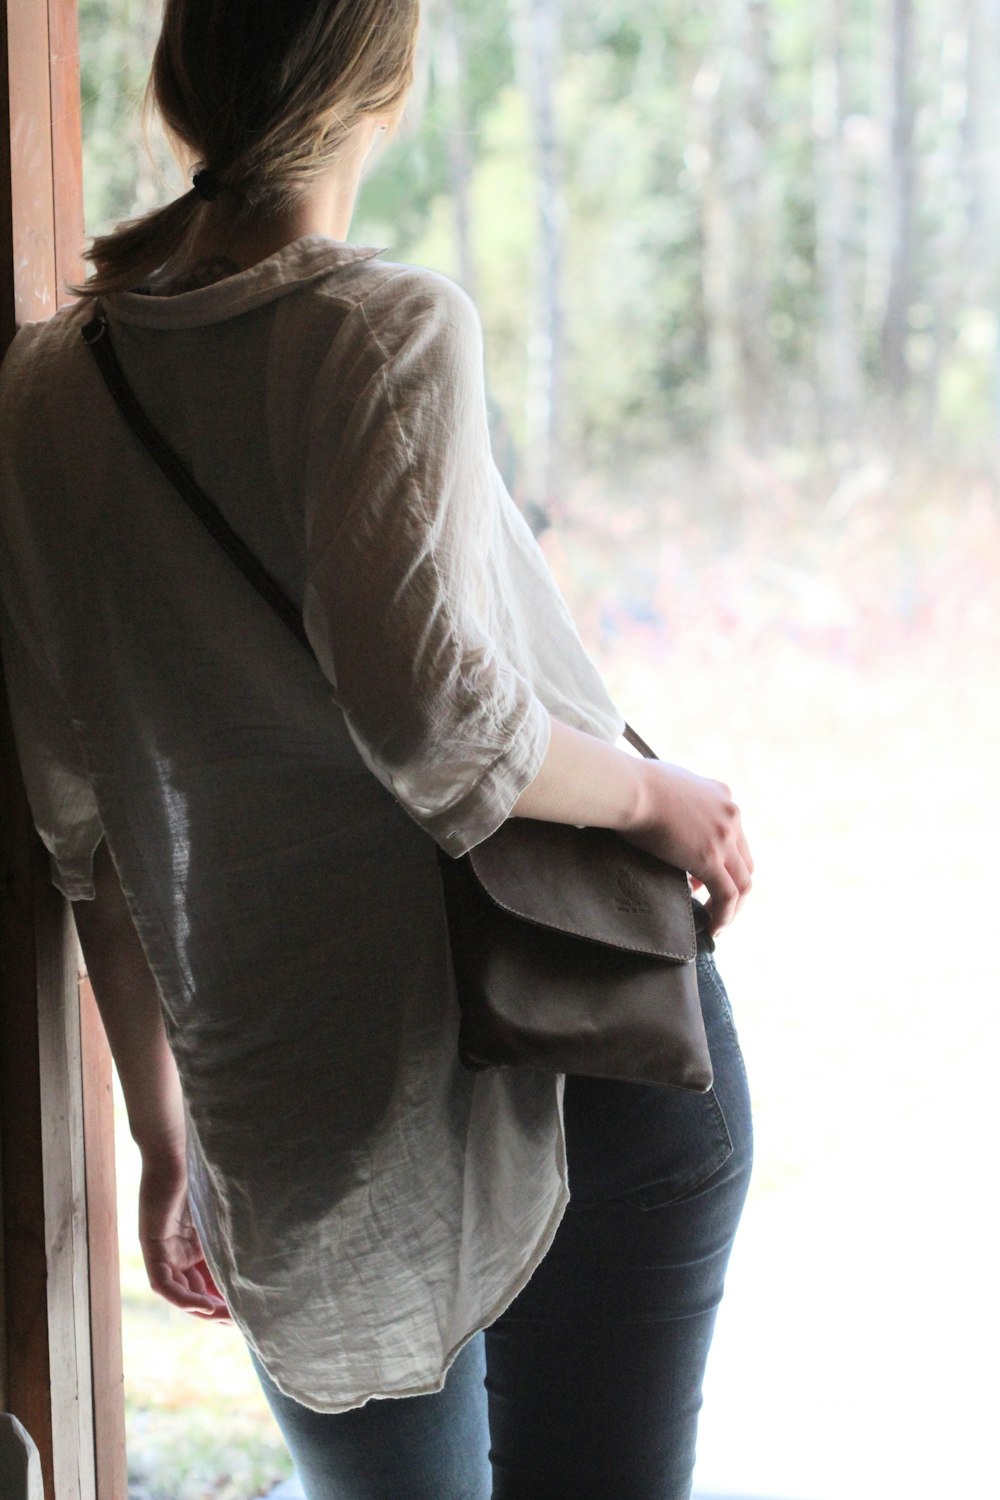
[(264, 94)]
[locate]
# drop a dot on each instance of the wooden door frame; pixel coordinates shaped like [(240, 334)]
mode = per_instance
[(60, 1311)]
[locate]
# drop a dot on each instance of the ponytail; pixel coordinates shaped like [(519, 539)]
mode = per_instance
[(264, 95), (126, 256)]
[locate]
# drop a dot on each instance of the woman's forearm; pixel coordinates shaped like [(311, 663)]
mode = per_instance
[(127, 998), (129, 1004), (687, 820), (586, 781)]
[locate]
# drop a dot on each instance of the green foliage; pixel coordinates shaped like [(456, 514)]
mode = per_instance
[(695, 167), (116, 42)]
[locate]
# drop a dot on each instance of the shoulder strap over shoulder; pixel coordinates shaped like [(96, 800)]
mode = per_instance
[(97, 337)]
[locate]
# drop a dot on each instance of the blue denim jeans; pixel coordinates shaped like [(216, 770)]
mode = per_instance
[(588, 1387)]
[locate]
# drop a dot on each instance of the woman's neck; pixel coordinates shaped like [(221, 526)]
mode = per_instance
[(224, 240)]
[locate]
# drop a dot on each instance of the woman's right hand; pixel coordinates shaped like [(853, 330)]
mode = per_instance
[(693, 822), (171, 1248)]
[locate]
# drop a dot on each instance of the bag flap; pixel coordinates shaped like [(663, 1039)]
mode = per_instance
[(588, 882)]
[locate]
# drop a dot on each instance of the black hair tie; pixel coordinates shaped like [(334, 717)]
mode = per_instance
[(206, 184)]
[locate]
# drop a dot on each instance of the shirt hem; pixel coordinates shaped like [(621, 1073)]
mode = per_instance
[(542, 1246)]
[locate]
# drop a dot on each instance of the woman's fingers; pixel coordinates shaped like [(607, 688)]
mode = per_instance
[(723, 900), (189, 1287), (693, 822), (212, 1291), (744, 850), (183, 1289), (728, 887), (733, 882), (171, 1247)]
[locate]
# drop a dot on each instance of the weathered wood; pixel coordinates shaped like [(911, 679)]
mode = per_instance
[(26, 276), (68, 1296), (26, 1274), (52, 1292), (6, 204), (102, 1229), (67, 156), (3, 1282), (30, 271)]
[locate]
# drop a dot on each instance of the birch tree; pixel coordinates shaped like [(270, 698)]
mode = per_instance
[(538, 59), (902, 187), (838, 331)]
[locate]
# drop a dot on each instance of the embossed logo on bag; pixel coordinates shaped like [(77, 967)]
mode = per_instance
[(630, 895)]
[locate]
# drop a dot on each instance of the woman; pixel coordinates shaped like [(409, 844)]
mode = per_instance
[(249, 838)]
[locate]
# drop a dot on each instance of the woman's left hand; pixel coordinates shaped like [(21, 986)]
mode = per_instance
[(171, 1247)]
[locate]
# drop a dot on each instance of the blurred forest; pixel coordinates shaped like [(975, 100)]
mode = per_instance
[(711, 228)]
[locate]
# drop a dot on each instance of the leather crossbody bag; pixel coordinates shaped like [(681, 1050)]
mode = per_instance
[(572, 950)]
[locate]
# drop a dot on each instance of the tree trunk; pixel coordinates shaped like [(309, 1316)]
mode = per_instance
[(451, 68), (979, 164), (537, 51), (150, 167), (731, 132), (838, 338), (987, 64), (949, 182), (751, 181), (719, 233), (902, 197)]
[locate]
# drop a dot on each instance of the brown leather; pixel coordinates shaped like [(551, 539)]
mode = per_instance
[(574, 951), (588, 883)]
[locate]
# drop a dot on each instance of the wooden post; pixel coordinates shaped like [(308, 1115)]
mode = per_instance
[(61, 1319), (102, 1242)]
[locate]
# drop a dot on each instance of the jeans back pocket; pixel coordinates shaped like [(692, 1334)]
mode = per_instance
[(640, 1143), (650, 1146)]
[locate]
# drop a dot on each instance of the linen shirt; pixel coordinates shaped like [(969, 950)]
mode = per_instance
[(364, 1203)]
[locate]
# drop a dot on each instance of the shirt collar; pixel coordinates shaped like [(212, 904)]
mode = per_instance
[(302, 261)]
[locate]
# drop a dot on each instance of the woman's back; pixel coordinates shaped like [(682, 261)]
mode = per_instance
[(268, 826), (351, 1180)]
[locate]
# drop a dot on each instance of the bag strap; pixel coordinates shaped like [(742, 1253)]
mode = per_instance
[(639, 743), (97, 337), (98, 340)]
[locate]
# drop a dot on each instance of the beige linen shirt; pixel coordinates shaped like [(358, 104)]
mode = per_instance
[(365, 1204)]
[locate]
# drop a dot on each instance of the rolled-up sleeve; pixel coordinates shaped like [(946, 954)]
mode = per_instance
[(402, 505)]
